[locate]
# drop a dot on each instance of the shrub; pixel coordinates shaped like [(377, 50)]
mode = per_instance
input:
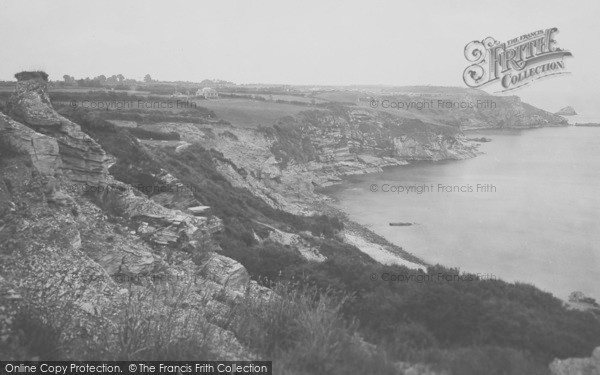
[(489, 360), (303, 332), (40, 337), (25, 75), (154, 327)]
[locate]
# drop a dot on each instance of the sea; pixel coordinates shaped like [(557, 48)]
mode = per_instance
[(526, 210)]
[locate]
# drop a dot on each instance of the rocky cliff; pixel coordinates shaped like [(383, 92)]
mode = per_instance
[(82, 159), (77, 246), (283, 164)]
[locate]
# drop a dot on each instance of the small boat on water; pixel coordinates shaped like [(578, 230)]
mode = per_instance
[(400, 224)]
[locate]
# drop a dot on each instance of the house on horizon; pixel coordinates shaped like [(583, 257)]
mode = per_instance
[(208, 93), (178, 94)]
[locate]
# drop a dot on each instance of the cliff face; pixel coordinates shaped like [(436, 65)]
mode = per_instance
[(77, 246), (82, 159), (472, 109), (283, 164), (364, 135)]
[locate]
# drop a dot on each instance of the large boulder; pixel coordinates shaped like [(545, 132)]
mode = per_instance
[(226, 272)]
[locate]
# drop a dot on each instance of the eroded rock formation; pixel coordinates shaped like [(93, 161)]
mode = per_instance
[(43, 150), (82, 159)]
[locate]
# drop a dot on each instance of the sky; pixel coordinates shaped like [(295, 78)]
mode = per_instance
[(324, 42)]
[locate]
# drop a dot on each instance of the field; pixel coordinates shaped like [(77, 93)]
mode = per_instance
[(240, 112), (281, 97), (340, 96), (251, 113)]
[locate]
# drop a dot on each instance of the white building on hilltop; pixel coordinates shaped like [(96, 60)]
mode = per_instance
[(208, 93)]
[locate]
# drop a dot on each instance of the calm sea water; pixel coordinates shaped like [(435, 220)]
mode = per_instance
[(540, 225)]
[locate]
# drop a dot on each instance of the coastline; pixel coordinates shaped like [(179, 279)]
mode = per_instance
[(372, 237), (374, 242)]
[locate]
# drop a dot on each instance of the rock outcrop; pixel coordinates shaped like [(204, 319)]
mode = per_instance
[(158, 224), (42, 150), (226, 272), (577, 366), (579, 301), (173, 193), (71, 270), (567, 111), (298, 242), (82, 159)]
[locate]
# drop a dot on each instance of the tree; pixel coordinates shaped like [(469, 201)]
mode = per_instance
[(147, 78), (68, 79), (120, 77)]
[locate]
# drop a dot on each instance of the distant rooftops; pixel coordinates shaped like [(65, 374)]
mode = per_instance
[(208, 93)]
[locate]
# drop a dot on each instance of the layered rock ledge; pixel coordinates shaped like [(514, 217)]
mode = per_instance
[(82, 159)]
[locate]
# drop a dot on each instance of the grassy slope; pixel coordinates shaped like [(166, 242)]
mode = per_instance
[(251, 113)]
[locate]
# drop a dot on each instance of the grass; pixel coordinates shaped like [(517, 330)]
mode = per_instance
[(154, 327), (151, 325), (302, 330), (251, 113), (339, 96)]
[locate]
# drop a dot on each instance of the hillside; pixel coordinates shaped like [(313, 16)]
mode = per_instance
[(180, 236)]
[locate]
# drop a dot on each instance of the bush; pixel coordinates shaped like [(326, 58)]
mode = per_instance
[(25, 75), (303, 332), (489, 360), (40, 337), (175, 334)]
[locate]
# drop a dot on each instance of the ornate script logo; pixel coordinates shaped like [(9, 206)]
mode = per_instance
[(515, 63)]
